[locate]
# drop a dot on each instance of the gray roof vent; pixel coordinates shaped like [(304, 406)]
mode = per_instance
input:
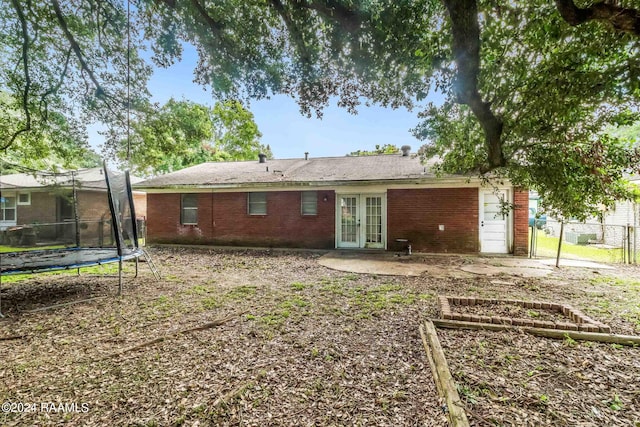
[(406, 149), (262, 158)]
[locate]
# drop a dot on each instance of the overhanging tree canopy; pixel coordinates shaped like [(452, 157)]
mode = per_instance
[(182, 133), (529, 86)]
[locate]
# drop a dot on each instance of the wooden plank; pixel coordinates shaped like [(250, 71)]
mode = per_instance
[(432, 363), (631, 340), (444, 381)]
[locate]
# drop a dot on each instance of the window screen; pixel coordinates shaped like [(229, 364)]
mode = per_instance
[(189, 211), (257, 203), (309, 201)]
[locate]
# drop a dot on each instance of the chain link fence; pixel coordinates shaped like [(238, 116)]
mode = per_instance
[(83, 233), (611, 243)]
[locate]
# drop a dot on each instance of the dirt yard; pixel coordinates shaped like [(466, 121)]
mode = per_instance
[(257, 338)]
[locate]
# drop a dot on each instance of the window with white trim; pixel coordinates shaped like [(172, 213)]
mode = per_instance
[(309, 203), (189, 209), (257, 203), (7, 208), (24, 198)]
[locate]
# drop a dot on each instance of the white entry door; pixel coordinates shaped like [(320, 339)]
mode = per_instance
[(494, 225), (361, 221)]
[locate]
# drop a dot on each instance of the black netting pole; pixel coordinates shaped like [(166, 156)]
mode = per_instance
[(114, 213), (75, 208), (132, 210)]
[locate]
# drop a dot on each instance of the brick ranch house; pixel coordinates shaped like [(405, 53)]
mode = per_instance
[(30, 200), (333, 202)]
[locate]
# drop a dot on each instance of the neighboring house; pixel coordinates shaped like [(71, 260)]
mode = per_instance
[(48, 199), (625, 212), (384, 202), (611, 228)]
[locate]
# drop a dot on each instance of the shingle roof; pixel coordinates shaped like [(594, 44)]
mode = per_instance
[(318, 171), (92, 178)]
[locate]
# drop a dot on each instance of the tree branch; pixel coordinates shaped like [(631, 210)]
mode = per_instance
[(624, 20), (214, 25), (100, 92), (293, 30), (349, 19), (76, 48), (466, 50), (54, 89), (27, 77)]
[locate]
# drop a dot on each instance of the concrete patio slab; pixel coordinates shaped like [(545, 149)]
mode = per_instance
[(389, 263), (577, 263), (493, 270)]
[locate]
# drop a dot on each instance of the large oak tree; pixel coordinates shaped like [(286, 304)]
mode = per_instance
[(530, 86)]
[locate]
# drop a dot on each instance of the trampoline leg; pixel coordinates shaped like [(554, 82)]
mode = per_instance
[(120, 277)]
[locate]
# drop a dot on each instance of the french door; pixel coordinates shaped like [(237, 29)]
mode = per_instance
[(361, 221)]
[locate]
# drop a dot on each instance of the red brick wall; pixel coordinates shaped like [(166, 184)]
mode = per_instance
[(92, 205), (223, 220), (140, 203), (417, 214), (413, 214), (521, 222), (41, 210)]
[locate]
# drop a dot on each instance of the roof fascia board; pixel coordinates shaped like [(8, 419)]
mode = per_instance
[(339, 186)]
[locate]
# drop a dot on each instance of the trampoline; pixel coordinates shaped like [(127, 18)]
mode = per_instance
[(125, 236), (61, 259)]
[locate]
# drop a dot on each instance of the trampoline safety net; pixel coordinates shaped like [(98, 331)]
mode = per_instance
[(100, 229)]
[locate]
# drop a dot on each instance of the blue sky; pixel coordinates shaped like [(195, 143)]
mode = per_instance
[(289, 133)]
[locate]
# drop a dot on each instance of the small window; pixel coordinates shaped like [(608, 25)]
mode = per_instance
[(7, 208), (309, 203), (257, 203), (189, 211), (24, 198)]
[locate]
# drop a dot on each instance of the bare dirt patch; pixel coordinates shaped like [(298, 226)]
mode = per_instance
[(506, 309), (299, 344)]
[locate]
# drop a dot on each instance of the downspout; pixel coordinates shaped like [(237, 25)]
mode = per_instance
[(213, 222), (75, 208), (636, 214)]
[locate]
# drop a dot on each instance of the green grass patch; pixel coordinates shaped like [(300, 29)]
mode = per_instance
[(4, 249), (293, 306), (105, 269), (372, 300), (210, 302), (298, 286), (628, 308), (200, 290), (627, 284), (548, 246), (241, 292)]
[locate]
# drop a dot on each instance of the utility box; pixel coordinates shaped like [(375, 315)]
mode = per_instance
[(579, 238)]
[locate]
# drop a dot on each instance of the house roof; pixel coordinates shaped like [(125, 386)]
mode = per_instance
[(92, 178), (316, 171)]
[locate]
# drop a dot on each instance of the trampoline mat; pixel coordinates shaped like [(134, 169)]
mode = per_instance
[(61, 259)]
